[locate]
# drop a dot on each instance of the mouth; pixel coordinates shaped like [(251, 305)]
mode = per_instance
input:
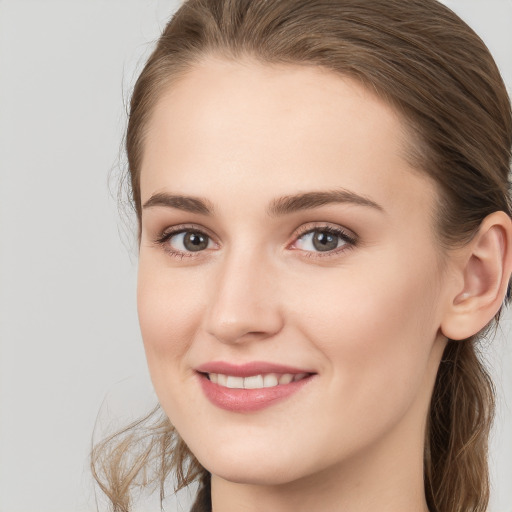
[(251, 386), (268, 380)]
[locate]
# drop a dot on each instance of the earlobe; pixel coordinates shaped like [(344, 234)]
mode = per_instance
[(485, 269)]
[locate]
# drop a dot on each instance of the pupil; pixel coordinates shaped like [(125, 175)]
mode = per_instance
[(325, 241), (195, 242)]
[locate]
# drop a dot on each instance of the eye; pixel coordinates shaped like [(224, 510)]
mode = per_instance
[(182, 242), (324, 239)]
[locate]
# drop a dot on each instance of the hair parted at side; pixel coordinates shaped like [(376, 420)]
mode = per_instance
[(437, 73)]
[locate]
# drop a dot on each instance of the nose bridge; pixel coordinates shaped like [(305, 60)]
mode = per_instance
[(244, 303)]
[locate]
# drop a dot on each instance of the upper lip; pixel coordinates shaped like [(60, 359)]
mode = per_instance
[(248, 369)]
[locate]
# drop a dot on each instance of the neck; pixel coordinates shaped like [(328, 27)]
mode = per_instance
[(376, 482)]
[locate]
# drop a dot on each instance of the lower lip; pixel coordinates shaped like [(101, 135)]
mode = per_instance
[(248, 400)]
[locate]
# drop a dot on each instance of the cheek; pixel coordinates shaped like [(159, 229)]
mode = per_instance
[(169, 309), (376, 330)]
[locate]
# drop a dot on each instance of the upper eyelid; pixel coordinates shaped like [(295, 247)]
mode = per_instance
[(327, 227), (300, 231), (183, 228), (303, 229)]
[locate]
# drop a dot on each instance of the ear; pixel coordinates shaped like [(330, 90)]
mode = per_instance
[(484, 270)]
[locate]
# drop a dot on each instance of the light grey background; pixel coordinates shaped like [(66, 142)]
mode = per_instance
[(68, 329)]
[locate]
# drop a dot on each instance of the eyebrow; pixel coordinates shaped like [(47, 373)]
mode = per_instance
[(294, 203), (185, 203), (281, 206)]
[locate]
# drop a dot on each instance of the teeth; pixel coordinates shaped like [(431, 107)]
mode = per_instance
[(286, 378), (269, 380), (234, 382), (253, 382)]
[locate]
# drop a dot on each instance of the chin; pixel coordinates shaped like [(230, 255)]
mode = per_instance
[(251, 473), (253, 465)]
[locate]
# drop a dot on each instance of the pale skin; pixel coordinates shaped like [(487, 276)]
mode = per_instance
[(370, 317)]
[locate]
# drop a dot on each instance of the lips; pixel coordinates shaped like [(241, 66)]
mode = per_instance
[(250, 386), (248, 369)]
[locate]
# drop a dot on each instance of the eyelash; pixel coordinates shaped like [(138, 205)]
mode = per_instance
[(168, 234), (350, 241)]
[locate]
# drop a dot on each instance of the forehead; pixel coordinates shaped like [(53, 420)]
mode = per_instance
[(244, 124)]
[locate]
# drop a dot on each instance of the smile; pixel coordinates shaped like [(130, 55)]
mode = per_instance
[(268, 380), (252, 386)]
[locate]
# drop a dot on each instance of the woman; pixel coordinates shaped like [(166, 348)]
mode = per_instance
[(322, 191)]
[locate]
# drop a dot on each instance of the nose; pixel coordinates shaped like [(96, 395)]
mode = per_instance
[(244, 303)]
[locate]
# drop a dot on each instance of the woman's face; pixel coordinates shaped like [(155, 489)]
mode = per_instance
[(286, 237)]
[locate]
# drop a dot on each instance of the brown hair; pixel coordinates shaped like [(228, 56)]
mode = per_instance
[(426, 62)]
